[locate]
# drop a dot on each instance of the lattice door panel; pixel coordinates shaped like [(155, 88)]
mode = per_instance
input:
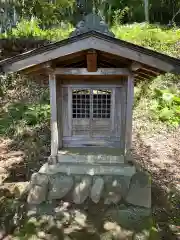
[(91, 112), (101, 112), (81, 112)]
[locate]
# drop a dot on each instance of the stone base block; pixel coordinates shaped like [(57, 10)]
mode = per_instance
[(112, 184)]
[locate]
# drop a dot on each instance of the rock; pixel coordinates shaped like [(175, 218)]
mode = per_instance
[(3, 171), (80, 218), (14, 189), (134, 218), (38, 188), (97, 189), (116, 189), (140, 190), (37, 194), (111, 226), (43, 209), (21, 188), (39, 179), (112, 198), (59, 186), (107, 236), (3, 174), (117, 232), (81, 190), (142, 236)]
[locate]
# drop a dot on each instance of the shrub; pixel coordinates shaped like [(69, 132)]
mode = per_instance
[(37, 114), (167, 106)]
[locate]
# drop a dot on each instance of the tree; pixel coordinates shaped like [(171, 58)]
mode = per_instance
[(146, 10)]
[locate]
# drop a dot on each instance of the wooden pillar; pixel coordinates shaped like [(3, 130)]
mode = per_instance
[(53, 104), (59, 102), (129, 115)]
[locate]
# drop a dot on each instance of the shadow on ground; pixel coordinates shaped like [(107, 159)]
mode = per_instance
[(165, 199)]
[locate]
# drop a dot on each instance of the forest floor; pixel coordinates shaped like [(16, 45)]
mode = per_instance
[(159, 154)]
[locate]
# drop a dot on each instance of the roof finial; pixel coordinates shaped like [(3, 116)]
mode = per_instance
[(85, 6), (90, 21)]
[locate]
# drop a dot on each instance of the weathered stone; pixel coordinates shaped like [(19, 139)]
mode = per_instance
[(3, 174), (112, 198), (14, 189), (59, 186), (3, 170), (111, 226), (80, 218), (140, 190), (116, 189), (134, 218), (81, 190), (88, 169), (37, 194), (21, 188), (39, 179), (97, 189), (40, 209), (115, 232), (142, 236)]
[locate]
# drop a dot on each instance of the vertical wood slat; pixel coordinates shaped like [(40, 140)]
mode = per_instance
[(113, 106), (53, 104), (59, 113), (129, 113), (65, 111), (70, 110), (91, 58), (123, 104)]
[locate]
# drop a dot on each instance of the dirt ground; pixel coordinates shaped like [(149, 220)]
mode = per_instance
[(156, 151)]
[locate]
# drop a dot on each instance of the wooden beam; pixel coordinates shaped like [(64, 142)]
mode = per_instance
[(129, 114), (100, 71), (132, 54), (53, 103), (151, 70), (135, 66), (91, 58), (145, 75)]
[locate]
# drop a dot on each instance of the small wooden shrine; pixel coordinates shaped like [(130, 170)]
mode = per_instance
[(91, 81)]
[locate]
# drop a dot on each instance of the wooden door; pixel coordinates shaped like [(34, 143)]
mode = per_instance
[(90, 116), (101, 112), (92, 112)]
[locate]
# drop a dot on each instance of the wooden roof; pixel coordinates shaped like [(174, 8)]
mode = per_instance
[(111, 52)]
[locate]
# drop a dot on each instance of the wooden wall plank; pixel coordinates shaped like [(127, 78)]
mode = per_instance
[(59, 112), (65, 112), (53, 104), (129, 114)]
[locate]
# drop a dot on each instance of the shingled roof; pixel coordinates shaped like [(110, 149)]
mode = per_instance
[(152, 61)]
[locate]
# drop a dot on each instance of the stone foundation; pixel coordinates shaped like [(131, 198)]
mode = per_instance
[(85, 196), (124, 185)]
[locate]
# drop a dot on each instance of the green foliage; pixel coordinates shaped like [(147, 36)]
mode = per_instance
[(167, 106), (31, 29), (150, 36), (37, 114), (22, 115), (49, 12)]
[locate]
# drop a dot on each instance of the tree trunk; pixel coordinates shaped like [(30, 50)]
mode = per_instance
[(146, 10)]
